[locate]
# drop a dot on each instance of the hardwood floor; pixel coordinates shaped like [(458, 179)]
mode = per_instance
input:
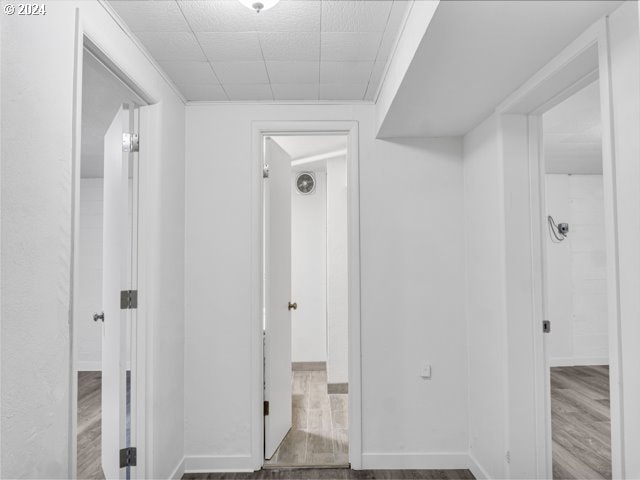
[(319, 436), (336, 474), (89, 425), (581, 422)]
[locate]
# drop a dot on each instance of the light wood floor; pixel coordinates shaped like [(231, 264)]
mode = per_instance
[(89, 425), (581, 422), (319, 435)]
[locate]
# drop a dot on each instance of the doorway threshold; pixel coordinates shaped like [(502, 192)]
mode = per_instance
[(343, 466)]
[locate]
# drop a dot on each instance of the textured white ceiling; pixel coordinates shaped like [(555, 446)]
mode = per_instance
[(572, 133), (219, 50)]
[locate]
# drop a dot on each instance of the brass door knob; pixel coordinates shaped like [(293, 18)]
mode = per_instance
[(293, 306)]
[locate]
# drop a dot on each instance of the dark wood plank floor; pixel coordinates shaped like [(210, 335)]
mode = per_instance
[(89, 425), (581, 422), (336, 474)]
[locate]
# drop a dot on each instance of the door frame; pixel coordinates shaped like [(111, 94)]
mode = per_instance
[(142, 341), (259, 131), (558, 80)]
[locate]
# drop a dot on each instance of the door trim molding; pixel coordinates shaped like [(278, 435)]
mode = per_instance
[(258, 131), (559, 79)]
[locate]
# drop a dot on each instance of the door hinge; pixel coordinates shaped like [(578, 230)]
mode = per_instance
[(128, 299), (266, 408), (546, 326), (128, 457), (265, 171), (130, 142)]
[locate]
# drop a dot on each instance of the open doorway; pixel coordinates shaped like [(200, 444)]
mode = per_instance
[(106, 256), (306, 327), (576, 290)]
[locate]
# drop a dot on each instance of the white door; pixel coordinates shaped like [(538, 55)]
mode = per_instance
[(116, 255), (277, 199)]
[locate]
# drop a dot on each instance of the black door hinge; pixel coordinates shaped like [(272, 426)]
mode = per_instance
[(546, 326), (128, 457), (128, 299), (266, 408)]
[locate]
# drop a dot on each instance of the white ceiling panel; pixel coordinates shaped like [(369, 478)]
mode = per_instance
[(240, 72), (292, 91), (185, 72), (342, 91), (172, 45), (291, 16), (230, 46), (374, 81), (396, 19), (345, 72), (293, 72), (222, 50), (218, 16), (357, 16), (350, 46), (145, 16), (285, 46), (204, 92), (249, 92)]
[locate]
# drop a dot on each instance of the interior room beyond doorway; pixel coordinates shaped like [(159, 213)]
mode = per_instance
[(319, 321), (576, 287)]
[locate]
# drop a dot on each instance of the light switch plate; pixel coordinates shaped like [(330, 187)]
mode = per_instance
[(425, 370)]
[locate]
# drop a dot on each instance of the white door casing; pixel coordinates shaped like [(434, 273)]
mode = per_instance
[(277, 201)]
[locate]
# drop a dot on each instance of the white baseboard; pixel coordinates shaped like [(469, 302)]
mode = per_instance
[(577, 361), (417, 461), (178, 471), (89, 366), (477, 470), (218, 463)]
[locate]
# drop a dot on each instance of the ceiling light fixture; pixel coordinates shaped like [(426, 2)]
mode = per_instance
[(259, 5)]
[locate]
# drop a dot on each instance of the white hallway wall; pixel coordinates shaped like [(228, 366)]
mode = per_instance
[(411, 281), (37, 192), (309, 271), (577, 272), (485, 298)]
